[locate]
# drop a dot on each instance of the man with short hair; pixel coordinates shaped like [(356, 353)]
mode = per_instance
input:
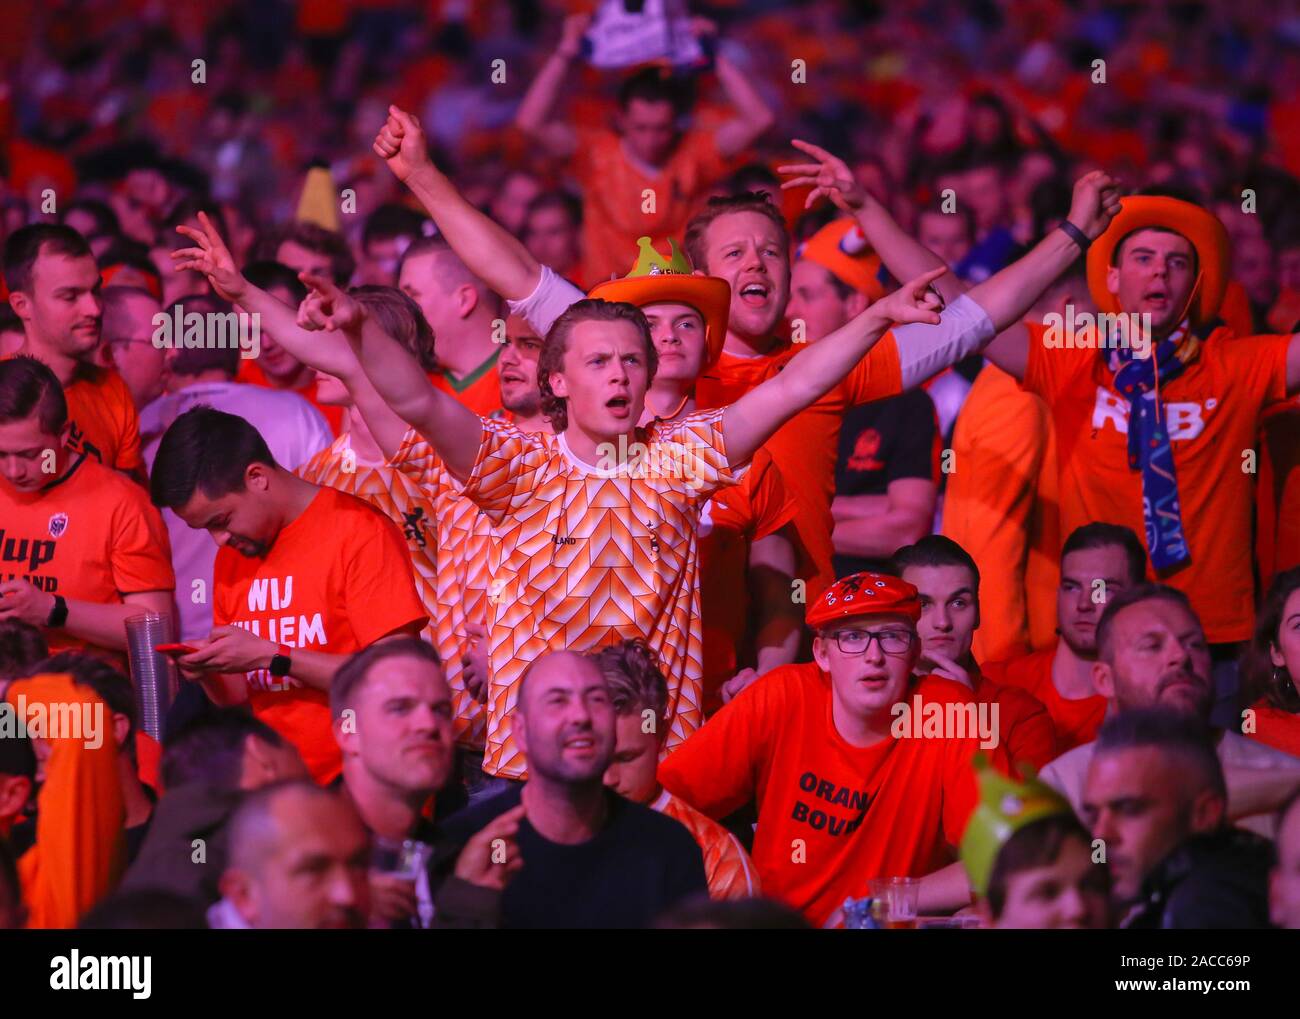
[(54, 288), (467, 320), (294, 431), (553, 233), (308, 247), (392, 720), (639, 694), (1155, 798), (845, 792), (299, 857), (129, 329), (81, 549), (1098, 561), (304, 577), (387, 233), (949, 585), (590, 857), (648, 149), (1152, 653)]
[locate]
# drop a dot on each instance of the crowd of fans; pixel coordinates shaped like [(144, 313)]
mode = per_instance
[(856, 450)]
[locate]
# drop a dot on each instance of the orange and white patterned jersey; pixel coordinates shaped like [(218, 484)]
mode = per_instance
[(392, 493), (727, 866), (594, 555), (464, 570)]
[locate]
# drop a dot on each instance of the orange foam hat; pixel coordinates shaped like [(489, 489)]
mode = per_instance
[(658, 280), (842, 250), (1201, 228)]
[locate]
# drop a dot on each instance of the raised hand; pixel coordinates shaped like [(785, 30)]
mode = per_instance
[(401, 142), (212, 258), (327, 307), (1095, 203), (491, 857), (915, 301), (575, 27), (829, 177)]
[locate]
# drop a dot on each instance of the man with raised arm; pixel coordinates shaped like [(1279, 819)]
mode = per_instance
[(743, 241), (1154, 443), (647, 150)]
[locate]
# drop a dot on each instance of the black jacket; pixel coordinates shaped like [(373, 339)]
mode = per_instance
[(1216, 881), (169, 859)]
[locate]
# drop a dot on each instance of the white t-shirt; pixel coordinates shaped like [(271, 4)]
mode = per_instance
[(1068, 772), (293, 429)]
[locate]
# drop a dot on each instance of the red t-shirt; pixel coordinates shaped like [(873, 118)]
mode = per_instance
[(337, 579), (805, 447), (830, 816), (1025, 729), (91, 536), (1076, 719), (1213, 412)]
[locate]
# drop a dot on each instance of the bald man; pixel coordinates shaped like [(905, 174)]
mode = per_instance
[(590, 857), (299, 857)]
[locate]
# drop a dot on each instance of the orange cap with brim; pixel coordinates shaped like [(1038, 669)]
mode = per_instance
[(658, 280), (842, 250), (1201, 228)]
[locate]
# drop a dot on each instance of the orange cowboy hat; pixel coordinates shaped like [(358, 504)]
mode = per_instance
[(841, 249), (1201, 228), (658, 280)]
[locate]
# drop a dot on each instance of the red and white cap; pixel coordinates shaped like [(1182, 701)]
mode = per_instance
[(865, 594)]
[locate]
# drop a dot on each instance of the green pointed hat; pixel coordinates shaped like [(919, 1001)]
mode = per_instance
[(655, 279), (1005, 806)]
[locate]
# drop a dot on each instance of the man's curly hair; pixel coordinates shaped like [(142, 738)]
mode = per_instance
[(556, 345)]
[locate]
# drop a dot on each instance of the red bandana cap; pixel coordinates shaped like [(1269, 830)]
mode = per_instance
[(865, 594)]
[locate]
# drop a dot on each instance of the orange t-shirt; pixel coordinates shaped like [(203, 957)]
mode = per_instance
[(735, 518), (1025, 729), (616, 210), (465, 562), (1076, 720), (830, 816), (805, 447), (480, 390), (727, 867), (103, 419), (92, 536), (1213, 411), (337, 579), (1276, 728), (590, 557), (80, 846), (250, 373)]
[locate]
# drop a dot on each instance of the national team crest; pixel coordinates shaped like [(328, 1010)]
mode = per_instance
[(58, 524)]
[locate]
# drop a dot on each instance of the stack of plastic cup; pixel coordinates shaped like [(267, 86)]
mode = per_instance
[(153, 675)]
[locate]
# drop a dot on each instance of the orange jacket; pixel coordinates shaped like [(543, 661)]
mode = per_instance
[(80, 843)]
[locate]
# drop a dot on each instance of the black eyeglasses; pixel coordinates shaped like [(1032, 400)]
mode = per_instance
[(856, 642)]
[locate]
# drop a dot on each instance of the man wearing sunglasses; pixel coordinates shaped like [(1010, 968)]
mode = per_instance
[(848, 787)]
